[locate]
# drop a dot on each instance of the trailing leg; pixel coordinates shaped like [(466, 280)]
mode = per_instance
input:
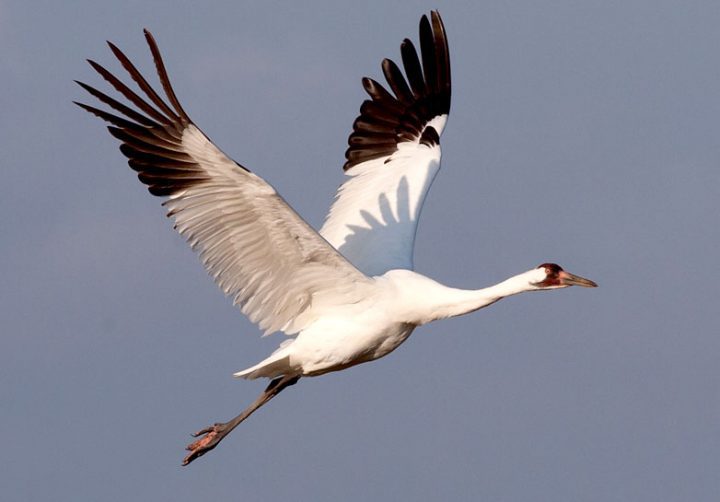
[(215, 433)]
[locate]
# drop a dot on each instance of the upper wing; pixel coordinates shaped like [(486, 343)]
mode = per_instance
[(277, 269), (393, 157)]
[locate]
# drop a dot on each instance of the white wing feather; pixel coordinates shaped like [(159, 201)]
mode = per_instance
[(260, 252), (374, 218)]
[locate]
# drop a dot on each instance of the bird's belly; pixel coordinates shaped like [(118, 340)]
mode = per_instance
[(333, 346)]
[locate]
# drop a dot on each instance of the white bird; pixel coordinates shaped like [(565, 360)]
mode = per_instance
[(348, 294)]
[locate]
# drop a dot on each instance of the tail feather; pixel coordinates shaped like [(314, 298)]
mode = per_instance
[(276, 365)]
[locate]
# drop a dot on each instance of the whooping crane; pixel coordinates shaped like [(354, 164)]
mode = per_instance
[(348, 294)]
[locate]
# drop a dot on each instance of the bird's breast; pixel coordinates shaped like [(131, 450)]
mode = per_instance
[(335, 345)]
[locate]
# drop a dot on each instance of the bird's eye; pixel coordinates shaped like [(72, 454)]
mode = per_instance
[(551, 268)]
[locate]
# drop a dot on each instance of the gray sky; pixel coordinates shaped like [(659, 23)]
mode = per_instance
[(585, 133)]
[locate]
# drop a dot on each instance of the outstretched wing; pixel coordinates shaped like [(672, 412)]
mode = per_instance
[(393, 157), (276, 268)]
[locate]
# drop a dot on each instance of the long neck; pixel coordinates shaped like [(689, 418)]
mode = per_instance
[(454, 302)]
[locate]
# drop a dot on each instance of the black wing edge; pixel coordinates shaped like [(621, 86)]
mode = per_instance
[(386, 120), (151, 137)]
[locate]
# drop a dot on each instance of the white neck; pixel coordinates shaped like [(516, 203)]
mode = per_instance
[(431, 300), (466, 301)]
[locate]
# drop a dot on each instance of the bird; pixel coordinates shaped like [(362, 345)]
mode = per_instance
[(345, 295)]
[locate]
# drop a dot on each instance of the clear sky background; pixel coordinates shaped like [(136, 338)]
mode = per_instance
[(584, 133)]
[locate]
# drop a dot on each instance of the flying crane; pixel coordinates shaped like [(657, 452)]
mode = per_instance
[(348, 294)]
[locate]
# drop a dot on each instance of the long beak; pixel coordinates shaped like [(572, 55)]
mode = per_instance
[(568, 279)]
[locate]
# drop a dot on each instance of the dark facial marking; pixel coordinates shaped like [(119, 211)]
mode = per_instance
[(552, 270), (551, 266)]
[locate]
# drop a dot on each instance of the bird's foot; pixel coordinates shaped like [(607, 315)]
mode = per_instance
[(211, 438)]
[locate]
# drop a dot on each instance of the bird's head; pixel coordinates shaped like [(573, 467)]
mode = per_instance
[(552, 276)]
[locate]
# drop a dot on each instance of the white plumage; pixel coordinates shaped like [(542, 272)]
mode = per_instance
[(348, 293)]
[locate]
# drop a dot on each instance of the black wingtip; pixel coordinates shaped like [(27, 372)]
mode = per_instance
[(149, 38), (89, 109), (151, 135), (84, 86), (414, 95), (98, 68)]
